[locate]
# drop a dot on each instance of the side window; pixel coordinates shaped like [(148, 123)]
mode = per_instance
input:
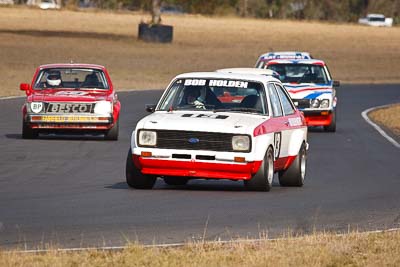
[(288, 109), (328, 73), (275, 102)]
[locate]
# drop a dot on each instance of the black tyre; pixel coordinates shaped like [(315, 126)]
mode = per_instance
[(28, 132), (134, 176), (112, 134), (172, 180), (296, 173), (331, 127), (262, 180)]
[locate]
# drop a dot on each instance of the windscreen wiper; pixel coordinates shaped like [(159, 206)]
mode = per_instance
[(251, 110), (195, 107)]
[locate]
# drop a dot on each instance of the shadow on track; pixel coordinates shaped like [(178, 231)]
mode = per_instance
[(13, 136), (316, 129), (120, 185), (70, 137), (197, 185)]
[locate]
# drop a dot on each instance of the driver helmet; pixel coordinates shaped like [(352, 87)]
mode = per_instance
[(195, 93), (54, 78)]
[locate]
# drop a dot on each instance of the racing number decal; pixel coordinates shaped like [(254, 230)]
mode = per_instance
[(277, 144), (71, 93)]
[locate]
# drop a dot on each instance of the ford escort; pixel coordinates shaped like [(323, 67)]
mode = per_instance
[(77, 98), (196, 132)]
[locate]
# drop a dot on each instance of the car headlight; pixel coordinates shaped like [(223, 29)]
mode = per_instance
[(103, 108), (324, 103), (315, 103), (241, 143), (36, 107), (147, 138)]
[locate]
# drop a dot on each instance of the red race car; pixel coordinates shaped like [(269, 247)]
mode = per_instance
[(77, 98)]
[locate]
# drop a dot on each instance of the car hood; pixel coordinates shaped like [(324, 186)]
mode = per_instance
[(308, 90), (59, 95), (208, 121)]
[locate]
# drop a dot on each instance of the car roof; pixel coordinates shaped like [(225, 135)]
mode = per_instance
[(375, 15), (302, 61), (224, 75), (72, 65), (285, 55), (248, 71)]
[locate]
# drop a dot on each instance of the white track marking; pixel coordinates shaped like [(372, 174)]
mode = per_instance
[(364, 114), (10, 97), (117, 248)]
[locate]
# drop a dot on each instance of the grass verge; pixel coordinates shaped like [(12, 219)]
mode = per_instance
[(354, 249), (389, 117), (31, 37)]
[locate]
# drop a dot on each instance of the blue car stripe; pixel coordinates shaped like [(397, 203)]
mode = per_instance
[(316, 94)]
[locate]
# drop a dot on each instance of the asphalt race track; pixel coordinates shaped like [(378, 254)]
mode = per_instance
[(71, 191)]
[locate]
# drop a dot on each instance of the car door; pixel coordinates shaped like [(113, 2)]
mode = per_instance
[(292, 122), (279, 125)]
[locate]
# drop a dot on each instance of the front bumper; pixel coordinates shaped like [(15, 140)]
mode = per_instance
[(210, 169), (69, 121), (318, 117)]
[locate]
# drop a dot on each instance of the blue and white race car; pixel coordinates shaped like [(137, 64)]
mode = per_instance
[(281, 55), (309, 84)]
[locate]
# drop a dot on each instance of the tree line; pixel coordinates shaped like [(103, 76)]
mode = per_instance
[(330, 10)]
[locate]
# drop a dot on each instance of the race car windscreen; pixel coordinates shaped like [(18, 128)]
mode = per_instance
[(300, 73), (260, 64), (215, 94), (76, 78)]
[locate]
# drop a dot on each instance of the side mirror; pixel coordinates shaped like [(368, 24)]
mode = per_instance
[(336, 83), (150, 108), (25, 87)]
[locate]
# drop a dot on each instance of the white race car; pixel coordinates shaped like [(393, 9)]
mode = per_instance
[(266, 72), (220, 126)]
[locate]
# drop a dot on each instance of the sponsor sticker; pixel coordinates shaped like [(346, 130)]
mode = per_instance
[(36, 107), (71, 93), (218, 83), (295, 121), (228, 83), (69, 108), (208, 116), (195, 82), (68, 119)]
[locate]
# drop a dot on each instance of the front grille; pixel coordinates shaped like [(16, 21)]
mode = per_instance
[(302, 103), (191, 140), (69, 108)]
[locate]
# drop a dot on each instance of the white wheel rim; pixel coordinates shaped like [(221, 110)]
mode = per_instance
[(303, 164), (270, 171)]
